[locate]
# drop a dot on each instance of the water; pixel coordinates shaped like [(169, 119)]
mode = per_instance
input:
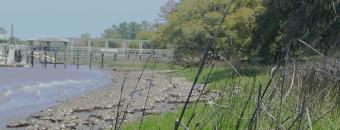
[(24, 91)]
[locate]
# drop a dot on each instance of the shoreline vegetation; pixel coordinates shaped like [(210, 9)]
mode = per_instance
[(236, 64), (233, 95), (292, 46), (234, 108)]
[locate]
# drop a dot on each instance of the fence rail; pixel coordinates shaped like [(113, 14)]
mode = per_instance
[(92, 56)]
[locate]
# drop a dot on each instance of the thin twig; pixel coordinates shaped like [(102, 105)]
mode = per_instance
[(239, 121), (225, 60), (311, 48), (320, 117), (300, 113), (291, 83), (208, 119), (203, 60), (201, 93), (133, 92), (279, 112), (334, 9), (120, 100), (271, 116), (147, 97), (309, 120), (335, 77), (256, 113)]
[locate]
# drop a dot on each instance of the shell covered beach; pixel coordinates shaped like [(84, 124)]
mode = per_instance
[(97, 109)]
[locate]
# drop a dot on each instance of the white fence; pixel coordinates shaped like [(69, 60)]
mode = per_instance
[(9, 54)]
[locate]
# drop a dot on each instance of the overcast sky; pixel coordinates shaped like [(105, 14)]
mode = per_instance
[(70, 18)]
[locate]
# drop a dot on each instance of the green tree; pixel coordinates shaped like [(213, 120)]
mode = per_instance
[(165, 10), (123, 30), (192, 23), (314, 21), (111, 33)]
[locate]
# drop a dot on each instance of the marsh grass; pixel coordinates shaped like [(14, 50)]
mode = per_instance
[(310, 98), (293, 94)]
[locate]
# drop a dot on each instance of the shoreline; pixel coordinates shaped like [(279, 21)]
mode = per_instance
[(97, 108)]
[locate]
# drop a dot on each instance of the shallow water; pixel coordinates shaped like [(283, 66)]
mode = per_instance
[(24, 91)]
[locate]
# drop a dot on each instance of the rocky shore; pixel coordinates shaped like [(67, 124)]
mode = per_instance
[(97, 109)]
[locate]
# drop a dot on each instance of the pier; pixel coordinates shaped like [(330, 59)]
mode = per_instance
[(56, 50)]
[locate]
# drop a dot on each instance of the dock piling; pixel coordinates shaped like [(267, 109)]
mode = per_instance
[(55, 59), (102, 65), (32, 58), (65, 59), (77, 59), (45, 60), (90, 60)]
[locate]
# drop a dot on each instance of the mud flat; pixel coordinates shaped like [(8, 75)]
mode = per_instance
[(97, 109)]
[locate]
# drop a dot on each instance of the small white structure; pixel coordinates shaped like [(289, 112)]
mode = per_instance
[(11, 52), (3, 46), (3, 56), (8, 52)]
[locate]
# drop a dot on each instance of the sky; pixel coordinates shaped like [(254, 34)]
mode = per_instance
[(71, 18)]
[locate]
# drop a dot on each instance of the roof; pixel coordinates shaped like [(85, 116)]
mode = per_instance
[(49, 39)]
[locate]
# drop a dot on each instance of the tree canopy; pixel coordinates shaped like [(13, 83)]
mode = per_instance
[(192, 23), (252, 28), (284, 21), (124, 30)]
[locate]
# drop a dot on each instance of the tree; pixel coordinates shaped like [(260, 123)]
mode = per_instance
[(111, 33), (314, 21), (193, 22), (133, 29), (165, 10), (123, 30), (85, 36)]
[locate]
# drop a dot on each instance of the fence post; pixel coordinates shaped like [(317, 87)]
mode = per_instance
[(77, 59), (102, 60), (41, 58), (73, 59), (65, 58), (27, 57), (32, 59), (115, 57), (55, 59), (45, 60), (90, 60)]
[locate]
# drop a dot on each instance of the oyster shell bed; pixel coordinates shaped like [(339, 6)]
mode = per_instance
[(97, 109)]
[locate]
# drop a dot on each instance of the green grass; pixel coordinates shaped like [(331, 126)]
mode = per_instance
[(166, 121), (226, 116), (223, 77), (140, 65)]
